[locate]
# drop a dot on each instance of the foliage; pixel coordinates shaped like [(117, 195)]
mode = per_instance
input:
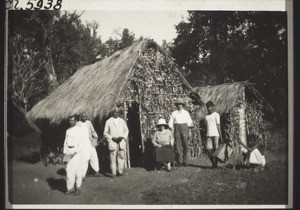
[(258, 129), (74, 45), (217, 47), (37, 26), (167, 46), (155, 85), (127, 39), (43, 21), (232, 125), (27, 73), (53, 157), (232, 131), (113, 45), (32, 24), (63, 42)]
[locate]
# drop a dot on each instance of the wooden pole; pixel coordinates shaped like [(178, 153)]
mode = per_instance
[(140, 113), (127, 162)]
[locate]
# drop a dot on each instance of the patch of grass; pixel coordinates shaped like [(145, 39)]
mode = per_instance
[(278, 140), (225, 186)]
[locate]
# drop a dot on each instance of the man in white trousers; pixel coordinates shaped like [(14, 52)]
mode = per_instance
[(73, 151), (90, 153), (116, 134)]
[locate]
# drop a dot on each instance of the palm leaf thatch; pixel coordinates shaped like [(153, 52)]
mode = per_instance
[(225, 96), (94, 88)]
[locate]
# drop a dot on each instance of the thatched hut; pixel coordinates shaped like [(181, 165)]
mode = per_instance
[(225, 96), (142, 78), (240, 106)]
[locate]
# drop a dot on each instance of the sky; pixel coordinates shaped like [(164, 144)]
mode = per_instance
[(157, 25), (155, 19)]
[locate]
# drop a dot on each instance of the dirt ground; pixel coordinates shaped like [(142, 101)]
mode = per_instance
[(36, 184)]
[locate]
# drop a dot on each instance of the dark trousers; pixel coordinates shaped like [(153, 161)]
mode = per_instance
[(181, 133)]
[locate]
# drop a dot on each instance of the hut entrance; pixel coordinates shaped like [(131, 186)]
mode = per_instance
[(135, 139)]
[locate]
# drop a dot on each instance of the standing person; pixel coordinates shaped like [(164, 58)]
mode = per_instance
[(213, 132), (116, 134), (73, 151), (181, 121), (162, 141), (90, 153)]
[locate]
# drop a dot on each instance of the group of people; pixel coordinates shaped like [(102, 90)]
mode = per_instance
[(180, 124), (80, 148), (80, 151)]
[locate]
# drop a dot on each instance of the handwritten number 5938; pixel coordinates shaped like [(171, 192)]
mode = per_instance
[(30, 5)]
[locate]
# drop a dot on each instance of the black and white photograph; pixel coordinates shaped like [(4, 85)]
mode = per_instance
[(148, 104)]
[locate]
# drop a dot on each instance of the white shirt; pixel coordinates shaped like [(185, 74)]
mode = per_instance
[(74, 140), (180, 117), (85, 129), (116, 121), (212, 120), (89, 127)]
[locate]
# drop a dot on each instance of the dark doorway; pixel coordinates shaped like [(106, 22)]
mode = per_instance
[(135, 139)]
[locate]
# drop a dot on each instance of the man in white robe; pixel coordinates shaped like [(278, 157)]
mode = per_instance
[(90, 153), (73, 151)]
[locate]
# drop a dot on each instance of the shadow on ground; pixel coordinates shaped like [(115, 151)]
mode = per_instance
[(200, 166), (57, 184), (61, 171), (238, 166)]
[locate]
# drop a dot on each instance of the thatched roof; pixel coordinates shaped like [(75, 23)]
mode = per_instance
[(94, 88), (224, 96)]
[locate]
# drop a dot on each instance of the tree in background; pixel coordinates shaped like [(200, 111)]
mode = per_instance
[(74, 45), (126, 39), (27, 75), (167, 46), (217, 47), (62, 41), (113, 45), (36, 25), (44, 21)]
